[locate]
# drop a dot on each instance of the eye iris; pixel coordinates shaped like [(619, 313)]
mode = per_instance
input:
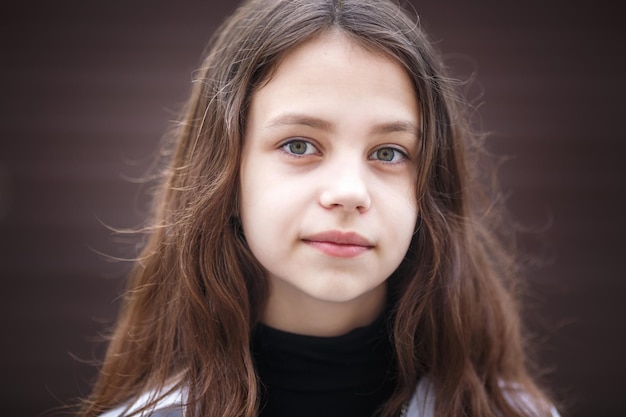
[(385, 154), (297, 147)]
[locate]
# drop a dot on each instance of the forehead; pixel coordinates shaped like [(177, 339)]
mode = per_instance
[(332, 68), (332, 47)]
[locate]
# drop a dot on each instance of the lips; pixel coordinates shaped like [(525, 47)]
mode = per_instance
[(339, 244)]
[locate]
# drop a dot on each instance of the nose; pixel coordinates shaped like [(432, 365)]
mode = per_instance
[(346, 189)]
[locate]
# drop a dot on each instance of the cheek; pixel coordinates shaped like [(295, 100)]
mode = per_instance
[(401, 217), (265, 210), (400, 196), (254, 220), (253, 186), (262, 197)]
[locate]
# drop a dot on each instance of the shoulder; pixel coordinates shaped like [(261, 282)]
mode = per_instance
[(423, 402), (172, 404), (166, 404)]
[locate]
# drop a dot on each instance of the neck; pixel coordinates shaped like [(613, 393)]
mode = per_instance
[(289, 310)]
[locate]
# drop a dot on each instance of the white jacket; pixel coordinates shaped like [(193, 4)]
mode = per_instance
[(422, 404)]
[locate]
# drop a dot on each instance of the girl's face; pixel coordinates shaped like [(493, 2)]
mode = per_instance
[(328, 202)]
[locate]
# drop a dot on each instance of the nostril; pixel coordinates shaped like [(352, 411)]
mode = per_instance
[(348, 198)]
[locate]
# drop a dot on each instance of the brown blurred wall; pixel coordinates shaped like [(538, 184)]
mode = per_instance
[(88, 88)]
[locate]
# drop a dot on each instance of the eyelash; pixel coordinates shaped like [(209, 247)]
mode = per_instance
[(313, 150), (396, 151), (285, 147)]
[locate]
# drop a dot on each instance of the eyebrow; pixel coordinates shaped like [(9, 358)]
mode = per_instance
[(300, 120), (397, 126), (289, 119)]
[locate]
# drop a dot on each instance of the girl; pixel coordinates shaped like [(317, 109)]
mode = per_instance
[(320, 244)]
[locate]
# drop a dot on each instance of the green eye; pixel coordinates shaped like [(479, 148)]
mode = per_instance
[(299, 147), (388, 154), (385, 154)]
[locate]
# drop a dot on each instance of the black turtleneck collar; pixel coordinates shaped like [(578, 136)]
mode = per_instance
[(348, 375)]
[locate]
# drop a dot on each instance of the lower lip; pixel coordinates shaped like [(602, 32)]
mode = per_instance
[(337, 250)]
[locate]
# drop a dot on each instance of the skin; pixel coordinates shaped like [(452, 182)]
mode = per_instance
[(328, 201)]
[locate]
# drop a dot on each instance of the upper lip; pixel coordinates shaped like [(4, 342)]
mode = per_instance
[(339, 238)]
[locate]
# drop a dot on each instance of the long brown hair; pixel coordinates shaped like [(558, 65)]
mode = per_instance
[(196, 292)]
